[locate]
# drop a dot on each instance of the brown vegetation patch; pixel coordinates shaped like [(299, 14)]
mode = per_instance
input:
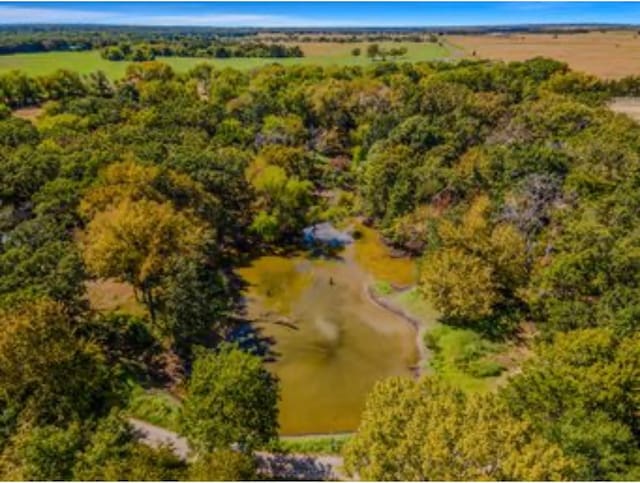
[(112, 296), (28, 113)]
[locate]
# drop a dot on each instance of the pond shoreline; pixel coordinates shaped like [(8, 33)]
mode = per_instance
[(416, 324)]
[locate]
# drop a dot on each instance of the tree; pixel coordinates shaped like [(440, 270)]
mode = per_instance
[(149, 71), (52, 374), (373, 51), (63, 84), (223, 465), (231, 399), (41, 453), (133, 241), (397, 52), (193, 301), (282, 201), (356, 52), (133, 181), (460, 284), (113, 453), (575, 391), (426, 430), (476, 268), (38, 259), (288, 130)]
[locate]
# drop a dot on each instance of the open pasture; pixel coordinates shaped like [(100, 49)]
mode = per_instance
[(315, 53), (612, 54)]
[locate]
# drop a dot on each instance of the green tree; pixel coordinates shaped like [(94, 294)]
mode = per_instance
[(287, 130), (193, 303), (51, 373), (576, 391), (373, 51), (231, 398), (42, 453), (223, 465), (38, 259), (426, 430), (113, 453), (282, 201)]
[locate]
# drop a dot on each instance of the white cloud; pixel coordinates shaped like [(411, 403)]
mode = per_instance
[(15, 15), (21, 15), (216, 20)]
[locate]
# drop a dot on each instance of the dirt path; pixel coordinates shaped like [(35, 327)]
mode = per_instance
[(273, 465), (155, 436)]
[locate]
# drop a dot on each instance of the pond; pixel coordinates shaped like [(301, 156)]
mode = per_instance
[(330, 342)]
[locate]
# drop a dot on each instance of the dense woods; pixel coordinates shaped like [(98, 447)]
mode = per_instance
[(513, 184)]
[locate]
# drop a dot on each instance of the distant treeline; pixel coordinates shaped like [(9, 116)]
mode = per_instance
[(46, 38), (343, 38), (148, 42), (221, 50)]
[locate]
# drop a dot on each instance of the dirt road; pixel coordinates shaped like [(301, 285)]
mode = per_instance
[(274, 465)]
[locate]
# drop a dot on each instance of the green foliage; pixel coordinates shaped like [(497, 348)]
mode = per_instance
[(576, 391), (283, 200), (463, 356), (426, 430), (223, 465), (113, 453), (46, 453), (51, 373), (155, 407), (382, 288), (193, 303), (313, 444), (477, 269), (230, 399), (38, 259)]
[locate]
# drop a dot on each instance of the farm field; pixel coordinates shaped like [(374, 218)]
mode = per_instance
[(315, 53), (606, 55)]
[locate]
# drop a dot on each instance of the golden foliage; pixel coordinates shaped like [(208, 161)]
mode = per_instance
[(477, 266), (133, 240)]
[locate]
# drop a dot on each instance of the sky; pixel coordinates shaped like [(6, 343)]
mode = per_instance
[(318, 14)]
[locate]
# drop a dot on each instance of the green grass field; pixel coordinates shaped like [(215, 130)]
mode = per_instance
[(464, 358), (315, 53)]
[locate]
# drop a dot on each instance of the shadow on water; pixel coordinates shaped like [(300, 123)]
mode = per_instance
[(253, 340)]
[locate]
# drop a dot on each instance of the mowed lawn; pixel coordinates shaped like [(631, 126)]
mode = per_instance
[(315, 53)]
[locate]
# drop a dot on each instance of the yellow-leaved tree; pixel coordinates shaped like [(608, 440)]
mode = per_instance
[(428, 430), (477, 267), (133, 241), (141, 219)]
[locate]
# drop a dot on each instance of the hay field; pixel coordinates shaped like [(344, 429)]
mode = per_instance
[(612, 54)]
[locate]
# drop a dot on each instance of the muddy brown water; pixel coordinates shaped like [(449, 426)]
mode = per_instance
[(329, 342)]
